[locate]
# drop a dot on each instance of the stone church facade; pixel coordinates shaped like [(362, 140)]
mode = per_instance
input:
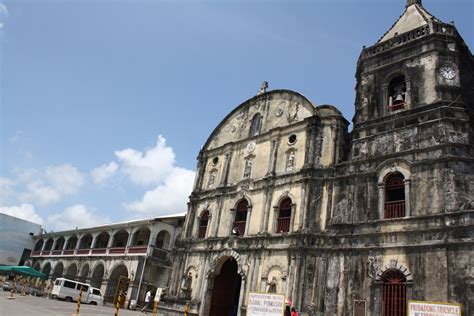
[(287, 200)]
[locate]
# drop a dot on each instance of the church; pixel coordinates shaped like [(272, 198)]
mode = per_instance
[(287, 200)]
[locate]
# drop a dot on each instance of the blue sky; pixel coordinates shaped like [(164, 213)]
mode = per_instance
[(105, 104)]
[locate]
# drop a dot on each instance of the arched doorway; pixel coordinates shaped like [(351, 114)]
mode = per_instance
[(37, 267), (394, 293), (58, 271), (226, 290), (119, 271), (97, 276), (46, 269), (71, 272), (84, 273)]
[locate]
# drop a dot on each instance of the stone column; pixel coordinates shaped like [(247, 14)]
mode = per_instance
[(44, 245), (293, 215), (310, 139), (111, 239), (406, 183), (385, 104), (273, 225), (272, 157), (55, 241), (266, 211), (291, 277), (247, 221), (218, 213), (94, 240), (225, 170), (189, 219), (381, 188), (130, 237), (408, 93), (79, 237), (302, 215), (66, 239), (255, 272), (242, 299), (232, 219)]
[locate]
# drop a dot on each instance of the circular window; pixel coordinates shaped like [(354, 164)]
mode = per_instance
[(215, 160), (292, 139)]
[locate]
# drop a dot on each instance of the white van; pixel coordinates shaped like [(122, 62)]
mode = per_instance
[(69, 291)]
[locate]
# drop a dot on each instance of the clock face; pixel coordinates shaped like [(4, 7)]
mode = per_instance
[(448, 72)]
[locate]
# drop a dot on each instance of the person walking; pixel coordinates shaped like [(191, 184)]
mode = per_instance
[(294, 312), (287, 310), (148, 301)]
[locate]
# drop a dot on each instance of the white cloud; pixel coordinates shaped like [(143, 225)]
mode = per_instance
[(149, 167), (168, 197), (24, 211), (75, 216), (50, 185), (104, 172)]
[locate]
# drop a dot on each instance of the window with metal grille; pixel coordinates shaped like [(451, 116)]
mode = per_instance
[(394, 293), (241, 217), (284, 216), (203, 225), (394, 196)]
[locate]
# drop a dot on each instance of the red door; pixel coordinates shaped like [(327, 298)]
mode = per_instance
[(225, 294)]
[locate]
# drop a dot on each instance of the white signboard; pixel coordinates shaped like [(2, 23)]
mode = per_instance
[(265, 304), (418, 308), (158, 294)]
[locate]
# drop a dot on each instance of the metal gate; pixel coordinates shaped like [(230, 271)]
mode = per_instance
[(394, 293)]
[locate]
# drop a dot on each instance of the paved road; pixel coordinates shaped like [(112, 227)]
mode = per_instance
[(30, 305)]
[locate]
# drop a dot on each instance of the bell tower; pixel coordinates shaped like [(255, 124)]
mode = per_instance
[(415, 101), (419, 64)]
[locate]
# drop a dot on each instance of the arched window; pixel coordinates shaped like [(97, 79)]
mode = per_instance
[(240, 220), (284, 216), (255, 125), (394, 293), (394, 196), (397, 93), (203, 222)]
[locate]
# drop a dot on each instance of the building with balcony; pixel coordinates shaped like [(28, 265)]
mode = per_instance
[(139, 250)]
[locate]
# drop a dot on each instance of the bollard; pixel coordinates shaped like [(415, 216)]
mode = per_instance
[(12, 290), (186, 309), (78, 306), (155, 308), (117, 304)]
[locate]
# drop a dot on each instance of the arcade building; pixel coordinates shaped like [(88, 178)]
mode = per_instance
[(287, 200), (138, 250)]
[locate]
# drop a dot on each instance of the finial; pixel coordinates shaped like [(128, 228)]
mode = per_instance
[(263, 88), (412, 2)]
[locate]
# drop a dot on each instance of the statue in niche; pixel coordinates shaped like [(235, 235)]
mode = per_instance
[(292, 114), (290, 161), (212, 178), (186, 288), (272, 286), (248, 167)]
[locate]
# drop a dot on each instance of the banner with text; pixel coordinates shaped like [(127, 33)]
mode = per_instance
[(419, 308), (265, 304)]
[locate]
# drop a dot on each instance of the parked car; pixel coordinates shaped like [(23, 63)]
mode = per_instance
[(69, 290)]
